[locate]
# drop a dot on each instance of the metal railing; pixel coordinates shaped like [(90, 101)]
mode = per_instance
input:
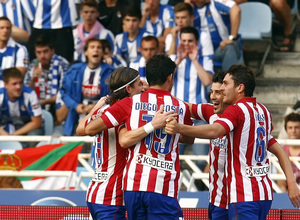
[(188, 176)]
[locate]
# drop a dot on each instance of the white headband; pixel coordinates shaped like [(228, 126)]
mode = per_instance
[(126, 84)]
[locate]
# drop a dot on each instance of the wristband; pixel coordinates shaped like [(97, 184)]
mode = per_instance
[(148, 128)]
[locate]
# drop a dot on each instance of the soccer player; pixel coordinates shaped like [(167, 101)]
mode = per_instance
[(104, 195), (248, 127), (152, 171)]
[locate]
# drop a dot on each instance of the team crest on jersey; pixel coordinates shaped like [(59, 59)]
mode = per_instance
[(220, 142)]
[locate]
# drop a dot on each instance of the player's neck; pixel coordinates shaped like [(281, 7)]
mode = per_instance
[(3, 44)]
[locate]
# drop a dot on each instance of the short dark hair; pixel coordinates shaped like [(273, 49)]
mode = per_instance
[(182, 6), (291, 117), (158, 68), (218, 76), (4, 18), (150, 38), (190, 30), (132, 11), (243, 75), (90, 3), (105, 44), (91, 40), (119, 78), (11, 73), (44, 41)]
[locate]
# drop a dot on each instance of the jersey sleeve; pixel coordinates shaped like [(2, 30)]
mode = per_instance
[(202, 111), (117, 113), (230, 118)]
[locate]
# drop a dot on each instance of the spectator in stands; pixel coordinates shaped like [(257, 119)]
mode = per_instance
[(184, 18), (21, 15), (20, 108), (12, 53), (292, 127), (84, 84), (45, 73), (149, 47), (89, 28), (111, 13), (110, 58), (157, 19), (54, 18), (127, 44), (194, 73), (222, 21)]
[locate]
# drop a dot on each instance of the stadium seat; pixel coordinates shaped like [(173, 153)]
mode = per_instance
[(11, 145), (48, 122), (256, 25)]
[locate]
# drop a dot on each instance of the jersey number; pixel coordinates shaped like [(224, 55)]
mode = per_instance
[(260, 152), (164, 145)]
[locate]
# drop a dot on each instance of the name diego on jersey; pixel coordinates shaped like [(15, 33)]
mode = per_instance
[(145, 106), (220, 142), (257, 171), (154, 162)]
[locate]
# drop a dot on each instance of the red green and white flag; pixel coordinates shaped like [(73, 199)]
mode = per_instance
[(54, 157)]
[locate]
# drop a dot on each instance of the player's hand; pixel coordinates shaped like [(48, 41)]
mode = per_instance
[(294, 194), (160, 118), (171, 126), (88, 108), (102, 101)]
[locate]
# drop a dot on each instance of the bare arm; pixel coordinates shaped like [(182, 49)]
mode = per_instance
[(129, 138), (35, 123), (293, 190), (61, 114), (235, 19), (200, 131), (80, 130), (48, 101), (19, 34)]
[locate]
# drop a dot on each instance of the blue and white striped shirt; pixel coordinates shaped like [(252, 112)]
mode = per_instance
[(140, 66), (20, 13), (19, 112), (129, 50), (165, 19), (55, 14), (187, 85), (214, 17)]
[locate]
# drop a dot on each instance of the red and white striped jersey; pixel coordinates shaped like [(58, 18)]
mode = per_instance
[(153, 163), (106, 185), (248, 126), (217, 157)]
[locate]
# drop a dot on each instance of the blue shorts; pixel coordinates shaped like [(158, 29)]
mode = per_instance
[(99, 211), (257, 210), (149, 205), (215, 212)]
